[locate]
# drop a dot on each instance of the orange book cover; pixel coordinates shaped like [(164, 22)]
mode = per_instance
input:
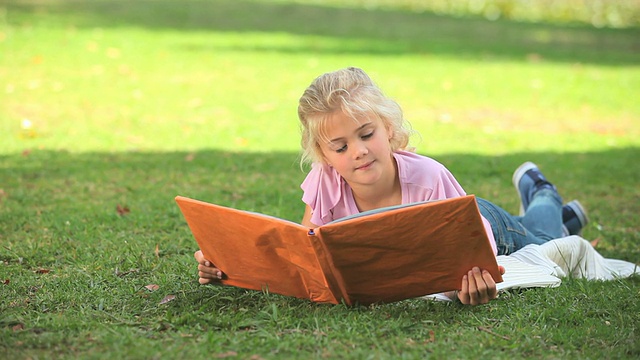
[(375, 257)]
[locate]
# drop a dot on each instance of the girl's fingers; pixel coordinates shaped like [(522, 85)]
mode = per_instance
[(206, 271), (485, 286), (199, 256), (481, 285), (209, 272), (463, 294), (477, 287), (492, 291), (473, 287)]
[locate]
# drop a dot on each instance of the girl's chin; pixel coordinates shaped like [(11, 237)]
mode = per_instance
[(368, 178)]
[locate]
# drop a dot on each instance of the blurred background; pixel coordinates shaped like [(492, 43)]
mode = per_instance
[(162, 75)]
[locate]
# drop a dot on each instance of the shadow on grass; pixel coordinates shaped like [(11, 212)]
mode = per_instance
[(46, 189), (380, 32)]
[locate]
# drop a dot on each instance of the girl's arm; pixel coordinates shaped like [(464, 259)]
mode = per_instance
[(306, 219)]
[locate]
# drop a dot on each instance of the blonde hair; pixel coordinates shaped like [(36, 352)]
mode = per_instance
[(353, 92)]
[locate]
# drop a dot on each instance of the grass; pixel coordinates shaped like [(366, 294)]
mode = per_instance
[(132, 103)]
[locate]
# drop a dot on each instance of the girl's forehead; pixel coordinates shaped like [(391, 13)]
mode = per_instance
[(341, 120), (342, 123), (339, 125)]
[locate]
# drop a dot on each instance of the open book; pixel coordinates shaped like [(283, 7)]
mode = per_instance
[(383, 256)]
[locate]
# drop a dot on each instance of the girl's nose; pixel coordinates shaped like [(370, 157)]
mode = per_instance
[(360, 150)]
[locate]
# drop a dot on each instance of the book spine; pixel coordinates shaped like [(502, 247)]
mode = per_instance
[(332, 276)]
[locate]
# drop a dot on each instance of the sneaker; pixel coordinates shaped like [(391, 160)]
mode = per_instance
[(528, 180), (574, 217)]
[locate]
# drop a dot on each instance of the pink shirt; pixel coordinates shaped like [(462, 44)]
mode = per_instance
[(421, 179)]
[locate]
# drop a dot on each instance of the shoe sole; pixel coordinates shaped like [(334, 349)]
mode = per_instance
[(517, 176), (580, 212)]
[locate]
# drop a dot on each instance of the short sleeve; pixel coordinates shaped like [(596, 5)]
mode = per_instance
[(322, 190)]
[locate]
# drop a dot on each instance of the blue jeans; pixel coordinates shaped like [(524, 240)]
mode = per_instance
[(541, 222)]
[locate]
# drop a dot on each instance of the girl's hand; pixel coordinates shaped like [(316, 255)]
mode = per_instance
[(478, 287), (206, 270)]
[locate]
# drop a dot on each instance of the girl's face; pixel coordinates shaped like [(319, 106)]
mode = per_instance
[(358, 150)]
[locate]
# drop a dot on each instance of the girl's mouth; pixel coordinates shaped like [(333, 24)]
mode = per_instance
[(365, 166)]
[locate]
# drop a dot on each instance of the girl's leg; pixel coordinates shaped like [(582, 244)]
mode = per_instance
[(543, 217), (541, 204), (509, 232), (529, 182), (541, 207)]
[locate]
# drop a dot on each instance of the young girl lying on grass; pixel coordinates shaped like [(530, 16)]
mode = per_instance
[(356, 139)]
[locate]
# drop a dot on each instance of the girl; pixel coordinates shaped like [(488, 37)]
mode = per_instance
[(356, 139)]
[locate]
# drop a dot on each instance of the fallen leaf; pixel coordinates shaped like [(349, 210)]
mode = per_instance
[(152, 287), (595, 242), (2, 194), (122, 210), (432, 336), (157, 251), (42, 271), (18, 327), (190, 157), (6, 282), (26, 152), (167, 299)]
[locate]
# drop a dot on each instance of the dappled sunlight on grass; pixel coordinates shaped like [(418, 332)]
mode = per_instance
[(129, 81)]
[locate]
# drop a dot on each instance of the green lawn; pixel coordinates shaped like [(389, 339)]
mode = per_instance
[(109, 109)]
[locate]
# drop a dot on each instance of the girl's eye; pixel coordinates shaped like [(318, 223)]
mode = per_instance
[(365, 137), (342, 149)]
